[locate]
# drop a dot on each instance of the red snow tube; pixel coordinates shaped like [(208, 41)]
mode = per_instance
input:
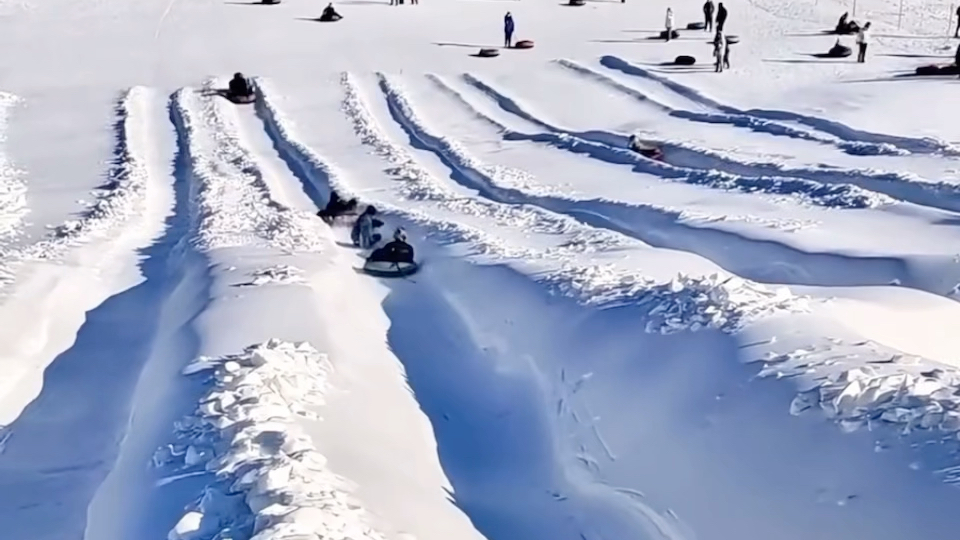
[(524, 44)]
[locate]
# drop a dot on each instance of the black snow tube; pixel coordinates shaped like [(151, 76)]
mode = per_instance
[(837, 51), (685, 60), (242, 100), (932, 69), (332, 18), (269, 2), (523, 44), (389, 269), (578, 2), (673, 34), (732, 40), (488, 53), (696, 26)]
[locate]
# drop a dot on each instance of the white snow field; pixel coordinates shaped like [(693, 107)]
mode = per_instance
[(753, 338)]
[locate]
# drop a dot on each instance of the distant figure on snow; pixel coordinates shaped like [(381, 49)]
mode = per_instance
[(508, 27), (721, 16), (719, 47), (329, 14), (708, 16), (863, 39), (239, 86), (363, 234), (957, 32), (669, 23)]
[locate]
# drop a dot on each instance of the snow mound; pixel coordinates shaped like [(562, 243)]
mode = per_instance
[(271, 482), (865, 385), (232, 199), (685, 303), (13, 188)]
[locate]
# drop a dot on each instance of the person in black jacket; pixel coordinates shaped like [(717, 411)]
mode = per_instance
[(708, 16), (240, 86), (395, 251), (721, 16)]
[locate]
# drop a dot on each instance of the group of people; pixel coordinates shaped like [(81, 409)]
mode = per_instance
[(721, 46), (364, 233)]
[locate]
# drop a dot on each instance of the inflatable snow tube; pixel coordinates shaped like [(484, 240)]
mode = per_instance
[(523, 44), (839, 51), (577, 3), (696, 26), (335, 18), (928, 70), (685, 60), (673, 34), (488, 53), (733, 39), (269, 2), (242, 100), (390, 269)]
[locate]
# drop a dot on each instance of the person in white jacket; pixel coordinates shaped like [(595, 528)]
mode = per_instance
[(669, 23), (863, 39)]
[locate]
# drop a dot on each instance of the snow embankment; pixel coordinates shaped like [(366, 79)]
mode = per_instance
[(53, 282), (13, 188)]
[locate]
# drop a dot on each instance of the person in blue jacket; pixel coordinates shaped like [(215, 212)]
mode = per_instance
[(508, 30)]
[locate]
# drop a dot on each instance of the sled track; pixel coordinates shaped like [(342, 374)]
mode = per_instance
[(830, 127), (752, 123), (610, 147), (656, 226)]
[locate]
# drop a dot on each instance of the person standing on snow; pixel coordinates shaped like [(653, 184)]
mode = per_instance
[(721, 16), (362, 233), (957, 33), (508, 27), (863, 39), (708, 16), (719, 46), (669, 23)]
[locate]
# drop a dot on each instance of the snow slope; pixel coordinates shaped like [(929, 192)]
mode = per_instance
[(751, 338)]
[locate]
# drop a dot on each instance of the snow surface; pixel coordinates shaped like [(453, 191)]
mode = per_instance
[(752, 338)]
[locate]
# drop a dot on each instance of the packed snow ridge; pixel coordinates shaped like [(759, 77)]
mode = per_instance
[(232, 199), (611, 147), (271, 483), (13, 187)]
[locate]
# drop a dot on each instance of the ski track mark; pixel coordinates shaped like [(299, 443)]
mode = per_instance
[(925, 145), (740, 120), (611, 148), (232, 199), (657, 226)]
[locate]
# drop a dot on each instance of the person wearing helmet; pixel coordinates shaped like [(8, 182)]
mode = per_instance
[(363, 234), (395, 251), (240, 86)]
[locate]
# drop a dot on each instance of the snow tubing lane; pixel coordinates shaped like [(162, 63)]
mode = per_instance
[(390, 269)]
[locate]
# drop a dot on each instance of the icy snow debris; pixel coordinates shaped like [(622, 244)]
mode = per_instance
[(233, 200), (871, 385), (270, 483), (281, 274), (685, 303)]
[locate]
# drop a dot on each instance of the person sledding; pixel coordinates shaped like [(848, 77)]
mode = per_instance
[(337, 207), (395, 259), (364, 233), (845, 26), (644, 148), (329, 14), (240, 89), (395, 251)]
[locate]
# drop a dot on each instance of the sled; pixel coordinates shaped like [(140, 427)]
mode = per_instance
[(577, 3), (387, 269), (334, 18), (488, 53), (696, 26), (523, 44), (685, 60), (242, 100), (673, 34)]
